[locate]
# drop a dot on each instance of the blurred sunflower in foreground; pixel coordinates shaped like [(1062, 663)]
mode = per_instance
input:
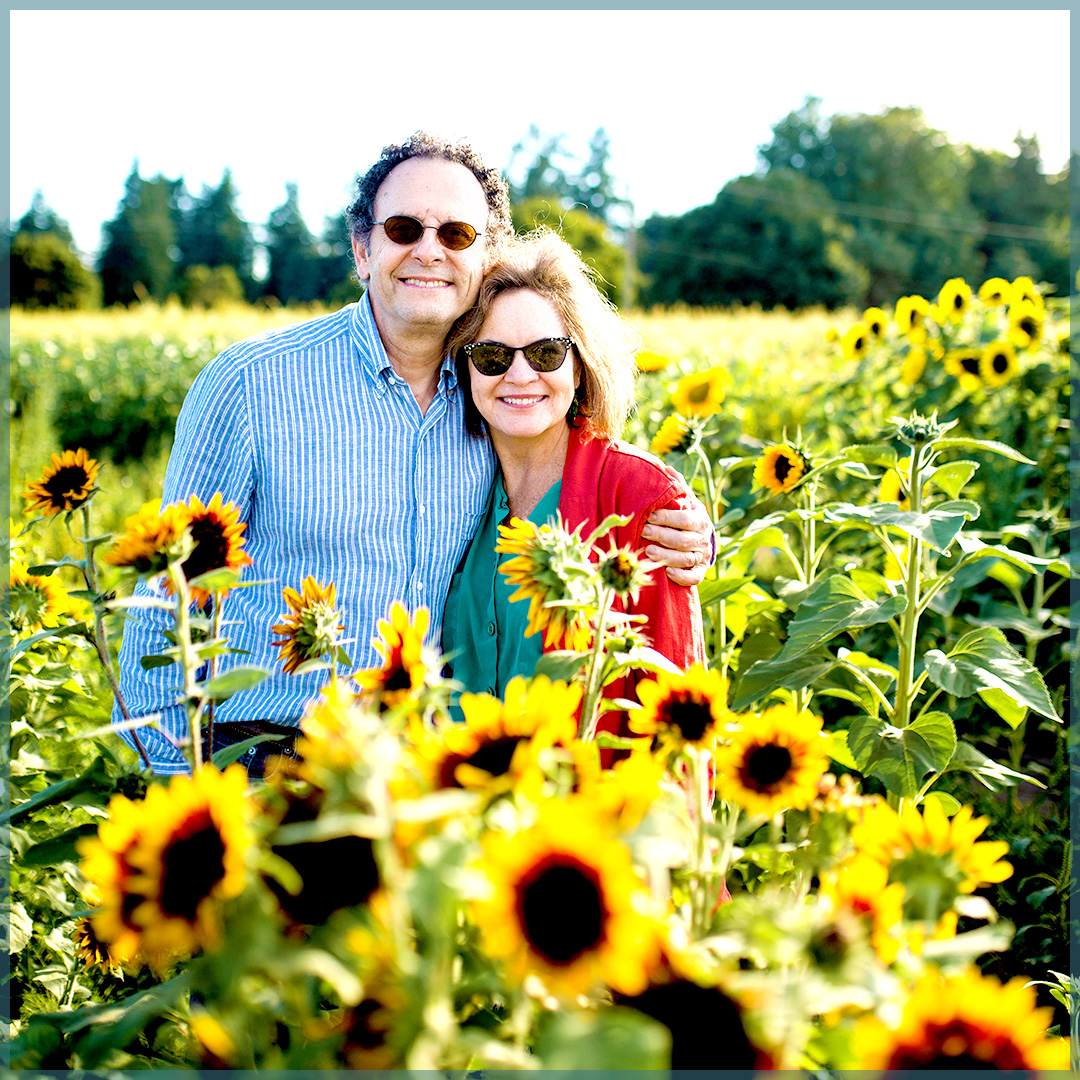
[(67, 482), (565, 904), (163, 866), (406, 664), (965, 1021)]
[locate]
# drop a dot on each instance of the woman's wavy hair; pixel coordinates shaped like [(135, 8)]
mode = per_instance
[(543, 262)]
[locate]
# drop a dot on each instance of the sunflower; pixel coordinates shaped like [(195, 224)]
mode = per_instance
[(964, 365), (911, 371), (650, 361), (934, 858), (701, 393), (773, 761), (861, 887), (312, 629), (1023, 290), (404, 670), (150, 538), (954, 299), (995, 292), (549, 568), (674, 436), (875, 321), (910, 313), (624, 571), (215, 1047), (215, 533), (36, 602), (998, 365), (94, 953), (500, 740), (1025, 324), (709, 1025), (964, 1021), (856, 341), (681, 710), (566, 904), (66, 483), (163, 866), (780, 469)]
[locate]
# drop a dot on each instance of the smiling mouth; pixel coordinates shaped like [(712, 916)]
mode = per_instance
[(425, 283), (518, 401)]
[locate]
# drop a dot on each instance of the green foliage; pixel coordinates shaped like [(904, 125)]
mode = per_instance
[(45, 272), (206, 287), (213, 235)]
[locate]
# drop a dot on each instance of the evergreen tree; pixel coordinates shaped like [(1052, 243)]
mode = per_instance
[(46, 273), (293, 276), (213, 234), (41, 218), (139, 256)]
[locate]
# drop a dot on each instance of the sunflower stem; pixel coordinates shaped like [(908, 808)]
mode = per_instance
[(909, 624), (99, 636), (590, 708), (710, 487), (212, 670), (189, 662)]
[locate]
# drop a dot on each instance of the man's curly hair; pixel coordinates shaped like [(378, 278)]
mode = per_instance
[(361, 213)]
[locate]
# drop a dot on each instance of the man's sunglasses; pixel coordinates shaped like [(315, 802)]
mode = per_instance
[(494, 358), (455, 235)]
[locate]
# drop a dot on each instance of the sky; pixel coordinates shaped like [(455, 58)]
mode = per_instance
[(686, 97)]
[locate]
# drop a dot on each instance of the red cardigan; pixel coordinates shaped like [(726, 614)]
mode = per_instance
[(601, 478)]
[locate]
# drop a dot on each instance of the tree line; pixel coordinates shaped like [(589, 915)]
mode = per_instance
[(848, 209)]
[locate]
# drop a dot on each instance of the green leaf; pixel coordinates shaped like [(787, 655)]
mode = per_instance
[(45, 569), (236, 679), (945, 800), (713, 590), (961, 443), (760, 679), (901, 757), (983, 660), (952, 477), (936, 527), (880, 454), (223, 577), (559, 665), (837, 748), (612, 1039), (991, 774), (1004, 706), (58, 849), (974, 548), (155, 661), (95, 778), (833, 604)]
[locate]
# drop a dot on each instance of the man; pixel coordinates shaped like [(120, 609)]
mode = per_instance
[(341, 441)]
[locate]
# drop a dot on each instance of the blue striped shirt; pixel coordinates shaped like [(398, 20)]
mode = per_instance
[(320, 444)]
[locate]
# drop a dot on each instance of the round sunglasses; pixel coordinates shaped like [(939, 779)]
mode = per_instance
[(455, 235), (494, 358)]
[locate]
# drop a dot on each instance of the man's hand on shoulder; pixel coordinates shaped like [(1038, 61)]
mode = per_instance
[(683, 540)]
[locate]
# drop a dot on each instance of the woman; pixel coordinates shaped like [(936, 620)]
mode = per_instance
[(547, 366)]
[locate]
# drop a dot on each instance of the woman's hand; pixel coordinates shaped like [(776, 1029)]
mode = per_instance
[(683, 540)]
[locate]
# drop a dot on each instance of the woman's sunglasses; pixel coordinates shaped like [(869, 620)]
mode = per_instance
[(494, 358), (455, 235)]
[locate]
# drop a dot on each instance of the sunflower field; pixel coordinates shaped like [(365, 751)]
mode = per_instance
[(842, 844)]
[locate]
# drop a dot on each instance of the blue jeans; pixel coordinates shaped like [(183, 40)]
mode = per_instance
[(255, 758)]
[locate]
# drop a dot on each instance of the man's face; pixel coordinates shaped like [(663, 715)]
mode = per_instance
[(421, 288)]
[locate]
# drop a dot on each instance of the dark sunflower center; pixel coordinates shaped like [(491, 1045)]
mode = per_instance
[(211, 550), (958, 302), (495, 756), (782, 468), (337, 873), (561, 910), (860, 343), (71, 478), (1028, 326), (970, 364), (690, 716), (190, 867), (700, 1019), (1000, 363), (767, 765), (398, 679), (699, 393)]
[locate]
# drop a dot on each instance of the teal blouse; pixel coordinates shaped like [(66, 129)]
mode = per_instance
[(483, 633)]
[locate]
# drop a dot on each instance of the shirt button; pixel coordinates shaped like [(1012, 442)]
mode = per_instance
[(491, 690), (419, 586), (422, 509), (491, 628)]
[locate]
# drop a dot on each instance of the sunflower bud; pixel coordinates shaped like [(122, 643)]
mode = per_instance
[(624, 572), (919, 430)]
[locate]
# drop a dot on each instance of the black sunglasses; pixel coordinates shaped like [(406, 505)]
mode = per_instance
[(494, 358), (455, 235)]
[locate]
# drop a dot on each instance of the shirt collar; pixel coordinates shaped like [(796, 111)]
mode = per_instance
[(373, 359)]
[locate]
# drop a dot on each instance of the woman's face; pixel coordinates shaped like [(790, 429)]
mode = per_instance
[(522, 403)]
